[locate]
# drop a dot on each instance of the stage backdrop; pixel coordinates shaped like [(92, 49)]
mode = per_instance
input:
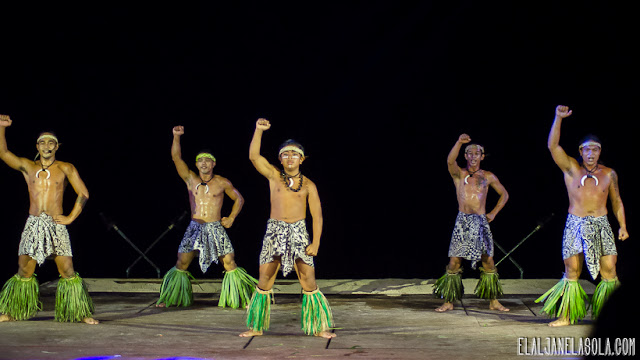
[(378, 93)]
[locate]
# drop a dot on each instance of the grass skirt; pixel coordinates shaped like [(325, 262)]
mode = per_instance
[(73, 302), (237, 287), (603, 291), (20, 297), (259, 311), (488, 287), (176, 288), (449, 286), (567, 299), (316, 313)]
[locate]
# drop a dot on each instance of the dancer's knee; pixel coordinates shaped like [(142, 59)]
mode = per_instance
[(608, 270), (268, 274), (487, 262), (184, 260), (26, 266), (572, 270), (229, 262), (454, 264)]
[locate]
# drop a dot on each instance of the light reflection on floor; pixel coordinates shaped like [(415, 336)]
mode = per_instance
[(107, 357)]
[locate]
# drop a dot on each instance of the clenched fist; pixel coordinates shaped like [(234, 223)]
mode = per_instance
[(562, 111), (178, 130), (5, 121), (263, 124), (464, 138)]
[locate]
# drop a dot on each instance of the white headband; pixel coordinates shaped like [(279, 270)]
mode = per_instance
[(469, 147), (291, 148), (589, 143), (47, 136)]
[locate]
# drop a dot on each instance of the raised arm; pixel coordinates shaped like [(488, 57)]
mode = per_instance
[(502, 192), (14, 162), (176, 154), (315, 208), (560, 157), (80, 189), (452, 164), (617, 206), (238, 201), (259, 162)]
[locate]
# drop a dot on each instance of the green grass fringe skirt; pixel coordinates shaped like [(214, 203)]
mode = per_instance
[(73, 303), (237, 288), (20, 297), (489, 287), (603, 291), (316, 313), (449, 286), (176, 288), (566, 299), (259, 310)]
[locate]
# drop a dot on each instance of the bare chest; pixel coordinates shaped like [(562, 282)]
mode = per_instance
[(205, 190), (289, 192), (588, 186), (472, 185), (45, 179)]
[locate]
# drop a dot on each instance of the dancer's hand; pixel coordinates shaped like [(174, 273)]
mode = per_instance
[(5, 121), (563, 111), (178, 130), (62, 220), (312, 249), (227, 222), (464, 138), (490, 217), (263, 124), (623, 234)]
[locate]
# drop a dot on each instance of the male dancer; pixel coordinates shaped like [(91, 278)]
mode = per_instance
[(205, 237), (45, 235), (286, 242), (587, 232), (472, 238)]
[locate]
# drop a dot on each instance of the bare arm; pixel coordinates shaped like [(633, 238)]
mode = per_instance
[(80, 189), (260, 162), (315, 208), (560, 157), (176, 154), (238, 202), (452, 164), (14, 162), (617, 206), (502, 201)]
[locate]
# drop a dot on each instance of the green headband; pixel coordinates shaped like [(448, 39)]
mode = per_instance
[(205, 155)]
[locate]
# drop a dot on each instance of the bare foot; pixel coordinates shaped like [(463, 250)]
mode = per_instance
[(161, 305), (495, 305), (90, 321), (560, 322), (445, 307), (250, 333), (5, 317), (326, 334)]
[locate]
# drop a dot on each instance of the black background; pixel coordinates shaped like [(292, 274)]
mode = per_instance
[(377, 91)]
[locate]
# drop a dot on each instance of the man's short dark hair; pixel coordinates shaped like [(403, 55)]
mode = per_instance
[(205, 151)]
